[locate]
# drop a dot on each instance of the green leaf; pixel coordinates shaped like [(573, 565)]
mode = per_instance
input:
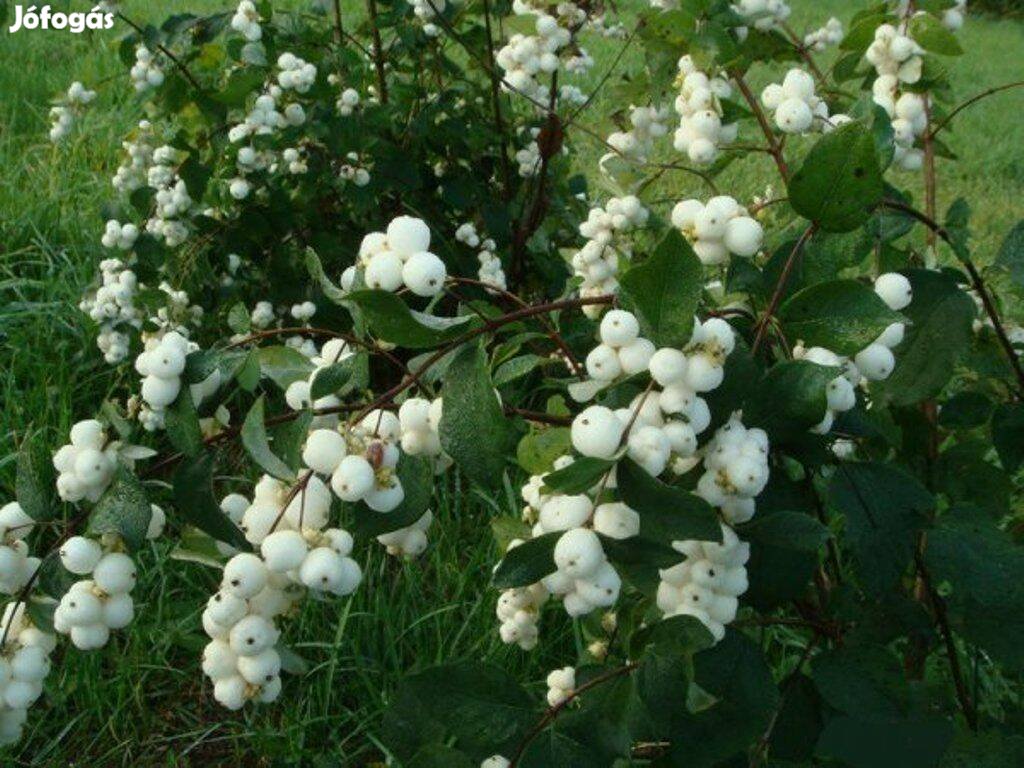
[(527, 563), (336, 378), (248, 372), (123, 509), (736, 675), (784, 550), (839, 183), (239, 319), (885, 508), (477, 708), (984, 572), (966, 410), (254, 438), (1008, 435), (34, 483), (1011, 254), (182, 424), (580, 476), (860, 743), (440, 756), (790, 399), (663, 291), (516, 368), (284, 365), (930, 34), (667, 513), (316, 271), (537, 450), (938, 336), (391, 319), (474, 430), (799, 722), (842, 315), (417, 476), (194, 501)]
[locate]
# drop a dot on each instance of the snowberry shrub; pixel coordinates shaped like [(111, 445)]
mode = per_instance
[(766, 448)]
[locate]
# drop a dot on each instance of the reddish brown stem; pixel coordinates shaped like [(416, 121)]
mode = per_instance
[(780, 287)]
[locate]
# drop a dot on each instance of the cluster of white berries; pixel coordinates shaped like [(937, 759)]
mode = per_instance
[(763, 14), (113, 303), (496, 761), (893, 53), (264, 118), (298, 393), (262, 314), (120, 236), (665, 422), (735, 470), (86, 465), (794, 102), (347, 102), (63, 115), (297, 551), (707, 583), (953, 17), (622, 351), (909, 121), (408, 542), (246, 21), (490, 271), (172, 198), (295, 74), (701, 131), (304, 311), (646, 125), (426, 12), (146, 73), (528, 157), (295, 160), (94, 606), (875, 362), (822, 38), (525, 57), (24, 665), (597, 262), (361, 462), (518, 613), (419, 421), (561, 685), (16, 565), (354, 170), (161, 365), (132, 173), (718, 228), (400, 256)]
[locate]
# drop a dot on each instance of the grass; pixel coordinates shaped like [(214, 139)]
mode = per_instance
[(143, 700)]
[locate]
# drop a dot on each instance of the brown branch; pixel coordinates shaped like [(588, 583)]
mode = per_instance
[(553, 712), (780, 287), (487, 327), (977, 283), (556, 338), (339, 29), (774, 146), (974, 99), (174, 59), (378, 52), (499, 121), (942, 618), (25, 592)]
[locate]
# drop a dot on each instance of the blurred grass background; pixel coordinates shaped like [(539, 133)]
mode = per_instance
[(143, 701)]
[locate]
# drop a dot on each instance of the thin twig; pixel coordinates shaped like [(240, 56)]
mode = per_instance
[(977, 282), (554, 711), (378, 52), (780, 287), (174, 59), (774, 147), (974, 99)]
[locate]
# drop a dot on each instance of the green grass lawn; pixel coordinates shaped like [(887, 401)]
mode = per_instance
[(143, 701)]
